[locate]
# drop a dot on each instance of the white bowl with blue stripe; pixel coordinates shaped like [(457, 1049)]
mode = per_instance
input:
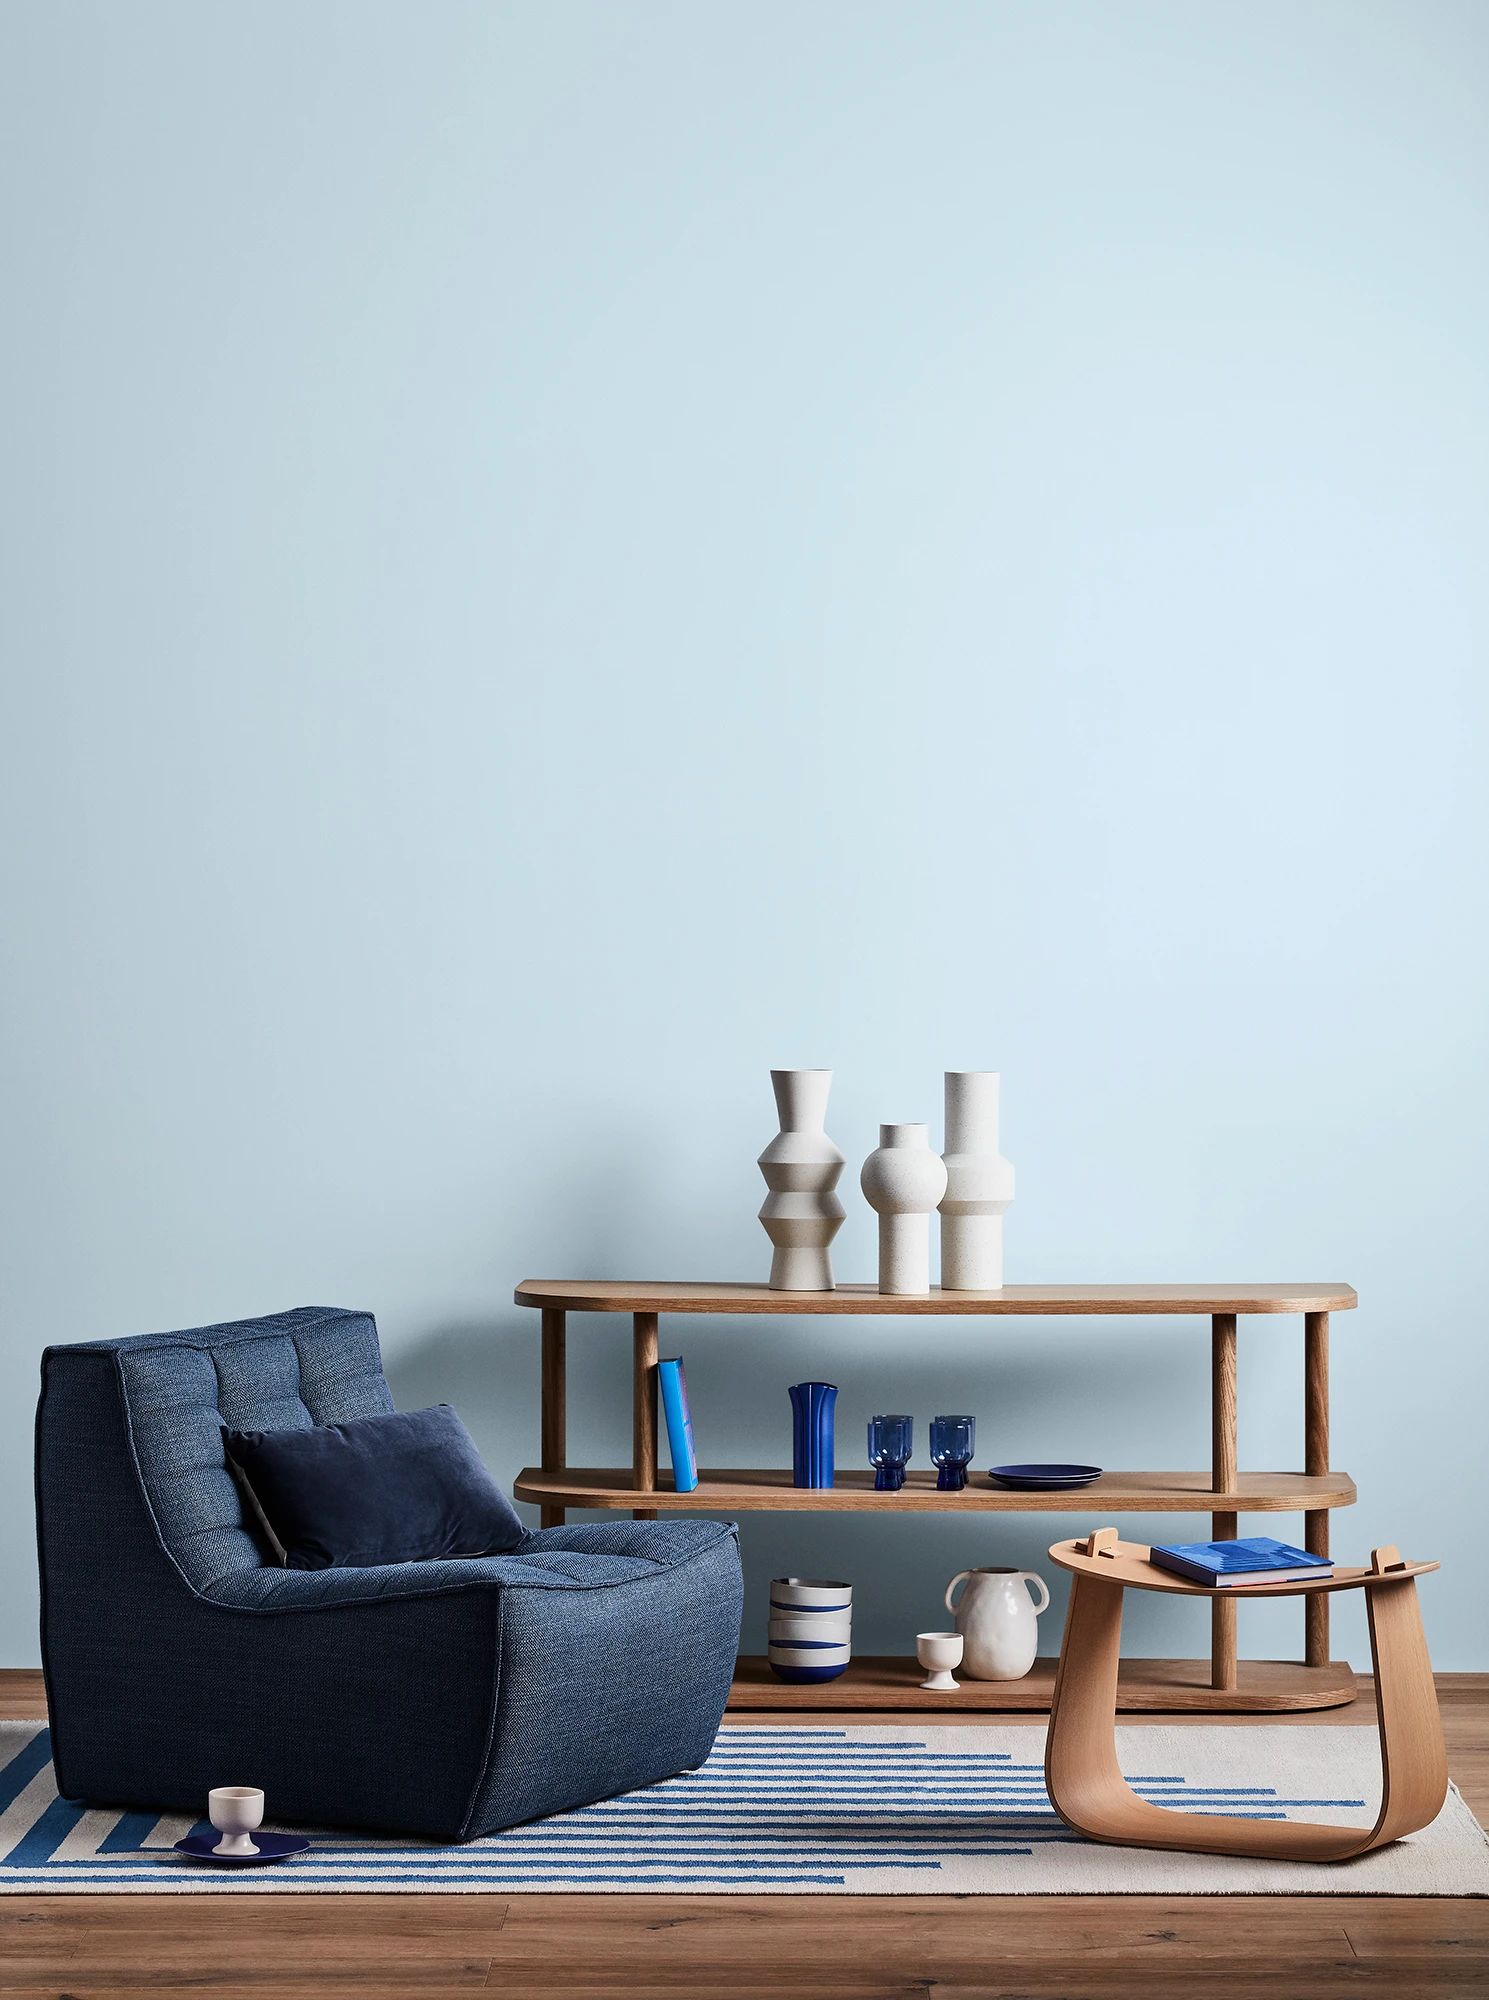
[(811, 1625), (813, 1631)]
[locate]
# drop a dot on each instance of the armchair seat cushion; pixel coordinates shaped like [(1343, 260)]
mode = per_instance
[(592, 1556)]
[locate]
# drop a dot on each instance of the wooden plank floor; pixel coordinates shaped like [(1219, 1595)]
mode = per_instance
[(786, 1947)]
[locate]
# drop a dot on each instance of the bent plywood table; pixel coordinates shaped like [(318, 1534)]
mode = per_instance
[(1085, 1782)]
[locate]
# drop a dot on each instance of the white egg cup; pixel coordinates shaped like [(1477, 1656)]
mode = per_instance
[(939, 1652), (236, 1811)]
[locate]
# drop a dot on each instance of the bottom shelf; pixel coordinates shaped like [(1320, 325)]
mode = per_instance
[(1165, 1685)]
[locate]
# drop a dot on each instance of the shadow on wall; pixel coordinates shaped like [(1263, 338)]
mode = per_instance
[(487, 1370)]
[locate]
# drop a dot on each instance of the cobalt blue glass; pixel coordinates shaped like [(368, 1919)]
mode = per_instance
[(891, 1441), (953, 1440), (811, 1433)]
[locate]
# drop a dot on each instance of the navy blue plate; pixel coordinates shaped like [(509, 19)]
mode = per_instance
[(1043, 1478), (271, 1847)]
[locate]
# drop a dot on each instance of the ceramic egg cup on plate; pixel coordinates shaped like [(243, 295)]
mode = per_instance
[(237, 1812)]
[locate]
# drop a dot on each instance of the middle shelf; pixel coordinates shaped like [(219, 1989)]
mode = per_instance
[(737, 1490)]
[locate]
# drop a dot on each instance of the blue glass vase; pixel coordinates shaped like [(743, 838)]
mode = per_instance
[(811, 1433)]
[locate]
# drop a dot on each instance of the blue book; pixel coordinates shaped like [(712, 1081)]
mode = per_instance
[(1224, 1565), (674, 1386)]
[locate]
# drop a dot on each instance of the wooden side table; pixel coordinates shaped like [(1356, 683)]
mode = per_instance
[(1085, 1782), (1220, 1490)]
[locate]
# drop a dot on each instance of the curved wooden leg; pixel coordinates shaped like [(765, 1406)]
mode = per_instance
[(1088, 1791), (1081, 1771), (1413, 1757)]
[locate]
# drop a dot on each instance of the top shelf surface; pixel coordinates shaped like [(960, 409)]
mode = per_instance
[(601, 1295)]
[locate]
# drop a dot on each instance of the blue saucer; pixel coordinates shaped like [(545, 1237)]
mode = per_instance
[(271, 1847), (1043, 1478)]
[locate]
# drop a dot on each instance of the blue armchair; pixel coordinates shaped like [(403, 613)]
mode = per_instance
[(446, 1698)]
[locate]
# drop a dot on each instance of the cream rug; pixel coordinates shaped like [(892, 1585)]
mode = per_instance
[(889, 1811)]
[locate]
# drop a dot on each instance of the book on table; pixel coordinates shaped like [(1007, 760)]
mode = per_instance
[(674, 1387), (1235, 1565)]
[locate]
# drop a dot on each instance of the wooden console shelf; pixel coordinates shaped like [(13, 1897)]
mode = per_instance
[(1224, 1492), (770, 1488), (1167, 1687)]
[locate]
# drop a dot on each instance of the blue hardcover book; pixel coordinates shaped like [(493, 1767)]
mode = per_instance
[(674, 1386), (1223, 1565)]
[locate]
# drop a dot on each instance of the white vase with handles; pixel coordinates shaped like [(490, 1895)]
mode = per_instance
[(801, 1214), (979, 1185), (997, 1621), (903, 1181)]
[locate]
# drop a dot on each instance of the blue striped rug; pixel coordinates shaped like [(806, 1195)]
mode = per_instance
[(878, 1811)]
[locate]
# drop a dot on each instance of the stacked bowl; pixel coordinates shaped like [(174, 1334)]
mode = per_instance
[(811, 1628)]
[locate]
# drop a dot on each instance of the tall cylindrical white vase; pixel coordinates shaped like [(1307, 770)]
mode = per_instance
[(801, 1214), (903, 1181), (979, 1185)]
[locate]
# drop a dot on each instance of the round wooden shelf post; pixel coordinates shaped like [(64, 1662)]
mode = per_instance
[(644, 1411), (555, 1406), (1316, 1459), (1223, 1527)]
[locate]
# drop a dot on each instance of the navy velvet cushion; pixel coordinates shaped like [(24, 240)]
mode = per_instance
[(407, 1487)]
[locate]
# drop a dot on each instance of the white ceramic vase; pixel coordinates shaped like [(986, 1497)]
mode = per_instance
[(979, 1185), (998, 1623), (801, 1214), (903, 1181)]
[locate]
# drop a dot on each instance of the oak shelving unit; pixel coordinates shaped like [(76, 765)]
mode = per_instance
[(1222, 1684)]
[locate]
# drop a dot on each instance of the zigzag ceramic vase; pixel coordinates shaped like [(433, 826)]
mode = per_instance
[(801, 1214), (979, 1185), (903, 1181)]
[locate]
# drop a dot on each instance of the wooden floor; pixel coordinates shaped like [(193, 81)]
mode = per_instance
[(786, 1947)]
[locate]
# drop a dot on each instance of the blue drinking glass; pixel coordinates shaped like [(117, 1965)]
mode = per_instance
[(891, 1441), (953, 1440)]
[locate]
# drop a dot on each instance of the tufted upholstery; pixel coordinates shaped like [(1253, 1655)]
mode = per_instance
[(448, 1698), (314, 1366)]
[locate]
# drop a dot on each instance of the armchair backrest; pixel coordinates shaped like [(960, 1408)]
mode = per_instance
[(167, 1397)]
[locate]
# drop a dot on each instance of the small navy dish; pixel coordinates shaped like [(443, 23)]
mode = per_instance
[(271, 1847), (1043, 1478)]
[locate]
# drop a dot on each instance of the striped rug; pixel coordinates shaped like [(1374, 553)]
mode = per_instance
[(869, 1811)]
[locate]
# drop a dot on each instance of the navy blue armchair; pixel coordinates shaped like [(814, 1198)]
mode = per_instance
[(446, 1698)]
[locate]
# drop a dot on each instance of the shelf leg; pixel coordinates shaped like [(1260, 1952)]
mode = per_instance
[(1223, 1527), (644, 1411), (555, 1405), (1316, 1460)]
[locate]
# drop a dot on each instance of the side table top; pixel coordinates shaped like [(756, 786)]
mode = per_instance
[(1128, 1563), (600, 1295)]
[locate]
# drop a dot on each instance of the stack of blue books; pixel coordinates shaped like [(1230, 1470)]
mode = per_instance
[(1228, 1565)]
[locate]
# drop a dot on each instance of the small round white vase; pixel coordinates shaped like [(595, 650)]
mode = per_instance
[(979, 1185), (902, 1182), (801, 1214)]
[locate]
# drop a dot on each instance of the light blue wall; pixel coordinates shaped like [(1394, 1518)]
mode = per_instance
[(557, 556)]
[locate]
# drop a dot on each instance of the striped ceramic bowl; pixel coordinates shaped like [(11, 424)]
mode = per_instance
[(811, 1625)]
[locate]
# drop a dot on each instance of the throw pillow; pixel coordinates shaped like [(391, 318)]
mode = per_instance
[(408, 1487)]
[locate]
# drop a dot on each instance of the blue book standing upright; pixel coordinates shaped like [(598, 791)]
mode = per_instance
[(674, 1387)]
